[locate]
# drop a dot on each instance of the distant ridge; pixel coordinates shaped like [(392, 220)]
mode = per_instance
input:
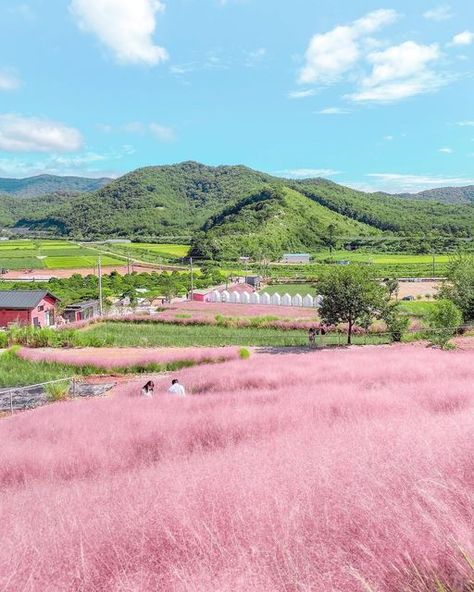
[(48, 184), (231, 211), (448, 195)]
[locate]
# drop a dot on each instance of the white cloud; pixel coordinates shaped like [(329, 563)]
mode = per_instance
[(124, 26), (466, 123), (88, 163), (34, 134), (388, 138), (301, 94), (464, 38), (134, 127), (8, 80), (307, 173), (399, 72), (439, 13), (333, 111), (331, 54), (162, 132), (396, 182), (446, 150), (253, 58)]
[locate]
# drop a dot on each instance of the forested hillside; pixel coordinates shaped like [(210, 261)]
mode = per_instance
[(230, 210), (47, 184), (274, 220), (392, 213), (448, 195)]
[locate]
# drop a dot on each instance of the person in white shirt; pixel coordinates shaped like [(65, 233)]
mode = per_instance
[(177, 388)]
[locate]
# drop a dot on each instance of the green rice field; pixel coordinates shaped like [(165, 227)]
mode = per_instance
[(50, 254), (291, 289), (164, 250)]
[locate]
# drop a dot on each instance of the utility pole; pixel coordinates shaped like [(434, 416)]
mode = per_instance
[(99, 270), (192, 278)]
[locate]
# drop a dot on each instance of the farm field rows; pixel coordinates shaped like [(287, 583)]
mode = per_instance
[(337, 470), (28, 254), (166, 250), (383, 258)]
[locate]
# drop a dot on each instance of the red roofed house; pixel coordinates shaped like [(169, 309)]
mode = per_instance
[(36, 308)]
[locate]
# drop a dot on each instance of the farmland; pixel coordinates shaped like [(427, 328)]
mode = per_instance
[(164, 250), (336, 470), (50, 254)]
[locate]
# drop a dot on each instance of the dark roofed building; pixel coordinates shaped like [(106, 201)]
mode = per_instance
[(81, 311), (27, 307)]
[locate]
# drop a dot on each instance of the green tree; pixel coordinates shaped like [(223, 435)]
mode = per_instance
[(350, 295), (444, 319), (459, 285), (330, 238), (397, 323), (392, 285)]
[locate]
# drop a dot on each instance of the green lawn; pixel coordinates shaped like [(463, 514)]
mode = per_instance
[(164, 335), (291, 289), (417, 308)]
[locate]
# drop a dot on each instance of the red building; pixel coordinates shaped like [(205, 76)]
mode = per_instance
[(36, 308)]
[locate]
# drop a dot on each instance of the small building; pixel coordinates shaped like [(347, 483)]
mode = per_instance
[(81, 311), (202, 295), (293, 258), (36, 308), (254, 281)]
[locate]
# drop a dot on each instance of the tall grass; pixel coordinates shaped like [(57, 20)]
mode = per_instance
[(121, 334), (325, 471), (21, 367)]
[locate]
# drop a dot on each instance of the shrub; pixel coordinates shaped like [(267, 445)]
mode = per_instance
[(3, 339), (57, 391), (244, 353), (444, 320), (396, 323)]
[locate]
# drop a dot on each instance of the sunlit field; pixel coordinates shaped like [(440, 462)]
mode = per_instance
[(166, 250), (31, 254), (327, 471)]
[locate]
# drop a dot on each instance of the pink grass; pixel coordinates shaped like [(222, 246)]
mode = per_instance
[(331, 471), (109, 358)]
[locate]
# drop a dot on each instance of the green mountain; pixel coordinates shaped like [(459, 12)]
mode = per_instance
[(153, 201), (234, 210), (47, 184), (271, 221), (392, 213), (447, 195)]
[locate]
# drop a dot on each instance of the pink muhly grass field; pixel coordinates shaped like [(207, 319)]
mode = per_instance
[(110, 358), (345, 471)]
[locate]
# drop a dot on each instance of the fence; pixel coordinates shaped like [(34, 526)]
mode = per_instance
[(37, 398), (231, 297)]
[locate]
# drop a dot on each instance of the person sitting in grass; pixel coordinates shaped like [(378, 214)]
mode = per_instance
[(177, 388), (149, 389)]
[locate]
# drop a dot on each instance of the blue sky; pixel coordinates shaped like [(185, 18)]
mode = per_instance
[(372, 95)]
